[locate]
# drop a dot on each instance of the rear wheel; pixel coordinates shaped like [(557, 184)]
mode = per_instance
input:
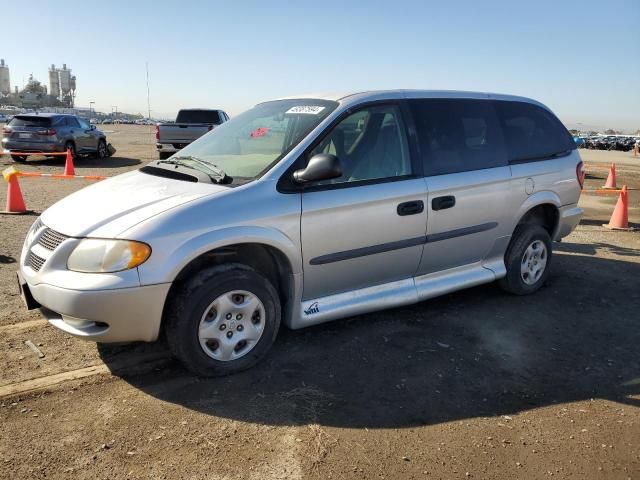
[(223, 320), (19, 158), (528, 259)]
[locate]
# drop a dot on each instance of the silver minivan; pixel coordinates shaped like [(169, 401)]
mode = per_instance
[(305, 210)]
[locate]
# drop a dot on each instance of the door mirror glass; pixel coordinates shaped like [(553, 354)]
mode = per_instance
[(323, 166)]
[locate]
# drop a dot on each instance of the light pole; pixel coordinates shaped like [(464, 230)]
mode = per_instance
[(116, 110), (91, 104)]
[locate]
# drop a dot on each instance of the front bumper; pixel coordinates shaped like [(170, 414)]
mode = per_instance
[(569, 219), (104, 307), (120, 315)]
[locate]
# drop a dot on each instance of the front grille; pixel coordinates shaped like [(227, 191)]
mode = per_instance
[(50, 239), (35, 262)]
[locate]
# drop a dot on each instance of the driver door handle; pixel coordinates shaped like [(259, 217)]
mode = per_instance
[(410, 208)]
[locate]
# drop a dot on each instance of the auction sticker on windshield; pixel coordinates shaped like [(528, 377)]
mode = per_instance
[(309, 109)]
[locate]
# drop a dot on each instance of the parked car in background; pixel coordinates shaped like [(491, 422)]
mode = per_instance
[(305, 210), (52, 132), (190, 125), (107, 121), (4, 118)]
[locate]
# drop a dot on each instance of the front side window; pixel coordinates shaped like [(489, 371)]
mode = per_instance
[(370, 144), (251, 142), (458, 135), (72, 122), (83, 124)]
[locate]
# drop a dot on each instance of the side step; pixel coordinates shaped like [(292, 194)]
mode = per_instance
[(391, 295)]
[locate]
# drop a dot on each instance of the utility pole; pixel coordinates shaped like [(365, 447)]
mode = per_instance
[(91, 104), (148, 101)]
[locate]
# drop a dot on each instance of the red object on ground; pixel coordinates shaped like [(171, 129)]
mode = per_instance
[(15, 202), (69, 169), (620, 216), (259, 132), (611, 179)]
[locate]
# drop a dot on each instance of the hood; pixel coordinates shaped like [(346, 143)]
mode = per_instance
[(112, 206)]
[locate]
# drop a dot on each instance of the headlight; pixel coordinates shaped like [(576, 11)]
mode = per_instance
[(95, 255), (32, 231)]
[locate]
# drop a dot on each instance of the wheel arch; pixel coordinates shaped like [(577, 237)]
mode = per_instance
[(542, 209), (267, 258)]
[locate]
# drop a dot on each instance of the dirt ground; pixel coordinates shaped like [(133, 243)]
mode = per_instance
[(476, 384)]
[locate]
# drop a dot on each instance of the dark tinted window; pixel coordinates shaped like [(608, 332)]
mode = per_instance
[(72, 122), (531, 131), (457, 135), (198, 116), (30, 121)]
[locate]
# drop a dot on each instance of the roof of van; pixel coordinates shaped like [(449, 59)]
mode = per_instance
[(43, 114), (382, 94)]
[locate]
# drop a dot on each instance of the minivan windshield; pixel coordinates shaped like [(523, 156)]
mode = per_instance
[(253, 141)]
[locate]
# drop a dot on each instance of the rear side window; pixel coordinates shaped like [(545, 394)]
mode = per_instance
[(198, 116), (458, 135), (531, 132), (39, 122)]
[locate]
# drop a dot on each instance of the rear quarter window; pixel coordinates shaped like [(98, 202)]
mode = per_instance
[(532, 132)]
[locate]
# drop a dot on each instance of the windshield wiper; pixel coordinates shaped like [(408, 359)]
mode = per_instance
[(215, 173)]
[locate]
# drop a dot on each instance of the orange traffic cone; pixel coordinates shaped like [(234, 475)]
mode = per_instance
[(611, 179), (620, 217), (15, 202), (68, 165)]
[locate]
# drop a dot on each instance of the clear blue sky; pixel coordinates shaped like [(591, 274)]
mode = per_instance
[(581, 58)]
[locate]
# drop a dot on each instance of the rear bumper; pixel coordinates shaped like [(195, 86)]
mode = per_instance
[(166, 148), (31, 147), (118, 315), (570, 216)]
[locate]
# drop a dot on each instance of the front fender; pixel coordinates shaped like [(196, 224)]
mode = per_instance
[(170, 262)]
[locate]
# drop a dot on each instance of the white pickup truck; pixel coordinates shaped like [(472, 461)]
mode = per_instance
[(190, 125)]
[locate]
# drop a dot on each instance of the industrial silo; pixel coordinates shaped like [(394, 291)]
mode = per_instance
[(65, 80), (5, 82), (54, 82)]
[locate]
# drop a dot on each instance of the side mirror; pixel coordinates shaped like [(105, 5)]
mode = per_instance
[(322, 166)]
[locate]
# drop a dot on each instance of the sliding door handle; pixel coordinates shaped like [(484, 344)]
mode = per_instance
[(440, 203)]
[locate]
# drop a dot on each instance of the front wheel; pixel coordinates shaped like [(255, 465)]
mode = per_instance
[(528, 259), (71, 147), (102, 151), (223, 320)]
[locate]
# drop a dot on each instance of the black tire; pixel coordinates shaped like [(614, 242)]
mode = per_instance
[(189, 303), (71, 146), (19, 158), (102, 151), (164, 155), (523, 237)]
